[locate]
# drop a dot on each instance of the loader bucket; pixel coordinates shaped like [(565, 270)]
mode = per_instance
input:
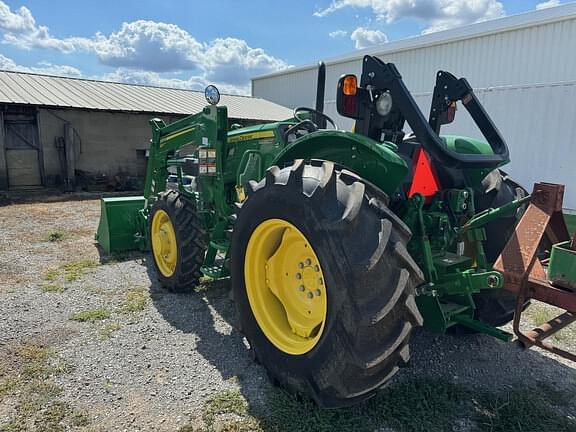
[(120, 228)]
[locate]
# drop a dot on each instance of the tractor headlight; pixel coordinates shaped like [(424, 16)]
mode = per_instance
[(384, 104), (212, 95)]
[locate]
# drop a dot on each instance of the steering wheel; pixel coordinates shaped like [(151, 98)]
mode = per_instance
[(304, 123), (316, 115)]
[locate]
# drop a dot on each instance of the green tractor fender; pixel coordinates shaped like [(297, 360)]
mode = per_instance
[(377, 163)]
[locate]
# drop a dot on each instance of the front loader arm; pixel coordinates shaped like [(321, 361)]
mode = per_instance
[(207, 131)]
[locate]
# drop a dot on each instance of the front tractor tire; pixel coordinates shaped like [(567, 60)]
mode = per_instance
[(323, 283), (177, 241)]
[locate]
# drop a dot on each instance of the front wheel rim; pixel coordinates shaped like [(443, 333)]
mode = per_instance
[(285, 286), (164, 247)]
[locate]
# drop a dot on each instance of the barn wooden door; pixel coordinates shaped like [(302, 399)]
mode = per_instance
[(22, 151)]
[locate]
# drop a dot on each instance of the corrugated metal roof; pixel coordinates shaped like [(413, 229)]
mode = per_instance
[(504, 24), (51, 91)]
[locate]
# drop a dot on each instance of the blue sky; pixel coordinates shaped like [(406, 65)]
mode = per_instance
[(189, 44)]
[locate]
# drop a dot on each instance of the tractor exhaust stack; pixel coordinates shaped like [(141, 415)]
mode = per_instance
[(320, 89)]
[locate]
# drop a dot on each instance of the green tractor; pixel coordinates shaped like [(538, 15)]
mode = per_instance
[(338, 244)]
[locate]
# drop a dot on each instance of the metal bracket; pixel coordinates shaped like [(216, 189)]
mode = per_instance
[(524, 274)]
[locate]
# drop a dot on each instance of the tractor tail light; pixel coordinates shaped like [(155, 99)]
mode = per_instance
[(346, 102), (349, 86)]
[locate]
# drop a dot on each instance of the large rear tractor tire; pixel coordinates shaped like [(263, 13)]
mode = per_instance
[(496, 307), (323, 283), (177, 241)]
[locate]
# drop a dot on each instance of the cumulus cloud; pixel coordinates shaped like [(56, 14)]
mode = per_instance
[(232, 61), (338, 34), (547, 4), (20, 29), (142, 50), (149, 45), (364, 38), (438, 14), (45, 68)]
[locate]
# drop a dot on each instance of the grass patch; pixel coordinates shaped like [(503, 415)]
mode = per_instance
[(51, 275), (52, 288), (74, 271), (55, 236), (69, 272), (91, 315), (226, 411), (421, 405), (540, 313), (107, 330), (136, 299), (25, 381)]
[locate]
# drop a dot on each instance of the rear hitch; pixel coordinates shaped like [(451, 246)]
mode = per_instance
[(525, 275)]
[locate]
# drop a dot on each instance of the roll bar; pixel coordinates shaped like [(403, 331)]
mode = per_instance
[(448, 89)]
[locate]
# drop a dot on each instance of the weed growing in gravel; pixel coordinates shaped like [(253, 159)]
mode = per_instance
[(540, 313), (91, 315), (52, 288), (51, 275), (55, 236), (25, 383), (70, 272), (74, 271), (107, 330), (227, 411), (136, 299)]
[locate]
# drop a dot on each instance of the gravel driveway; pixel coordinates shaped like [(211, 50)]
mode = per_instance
[(92, 343)]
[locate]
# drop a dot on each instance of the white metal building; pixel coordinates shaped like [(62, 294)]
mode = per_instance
[(523, 68)]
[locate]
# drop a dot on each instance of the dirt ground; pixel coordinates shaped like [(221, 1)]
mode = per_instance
[(91, 343)]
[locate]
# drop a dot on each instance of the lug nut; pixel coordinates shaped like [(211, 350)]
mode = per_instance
[(308, 261), (316, 268), (317, 292), (298, 275), (301, 265), (310, 295), (301, 288), (320, 281)]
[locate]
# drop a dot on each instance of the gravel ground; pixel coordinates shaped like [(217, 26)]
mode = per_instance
[(150, 360)]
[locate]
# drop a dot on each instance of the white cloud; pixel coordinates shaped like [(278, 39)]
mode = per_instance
[(42, 68), (338, 34), (364, 38), (547, 4), (437, 14), (20, 29), (140, 77), (149, 48), (149, 45), (232, 61)]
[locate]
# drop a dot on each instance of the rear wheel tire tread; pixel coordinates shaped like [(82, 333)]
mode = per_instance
[(375, 310)]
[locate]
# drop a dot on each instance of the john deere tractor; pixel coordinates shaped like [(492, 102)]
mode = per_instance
[(339, 243)]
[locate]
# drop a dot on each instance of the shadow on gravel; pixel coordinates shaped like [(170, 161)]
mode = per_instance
[(194, 313), (463, 383)]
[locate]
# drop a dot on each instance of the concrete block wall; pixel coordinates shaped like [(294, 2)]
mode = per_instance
[(105, 142)]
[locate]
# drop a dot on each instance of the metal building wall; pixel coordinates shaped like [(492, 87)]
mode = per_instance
[(526, 77)]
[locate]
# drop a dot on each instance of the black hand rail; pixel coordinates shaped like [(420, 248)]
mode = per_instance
[(448, 89)]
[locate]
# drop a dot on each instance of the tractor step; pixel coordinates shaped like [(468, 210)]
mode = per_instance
[(525, 275), (214, 272)]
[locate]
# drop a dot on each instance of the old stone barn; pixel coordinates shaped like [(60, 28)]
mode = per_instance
[(72, 132)]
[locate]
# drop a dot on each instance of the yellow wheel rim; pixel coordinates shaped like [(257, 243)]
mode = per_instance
[(285, 286), (164, 246)]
